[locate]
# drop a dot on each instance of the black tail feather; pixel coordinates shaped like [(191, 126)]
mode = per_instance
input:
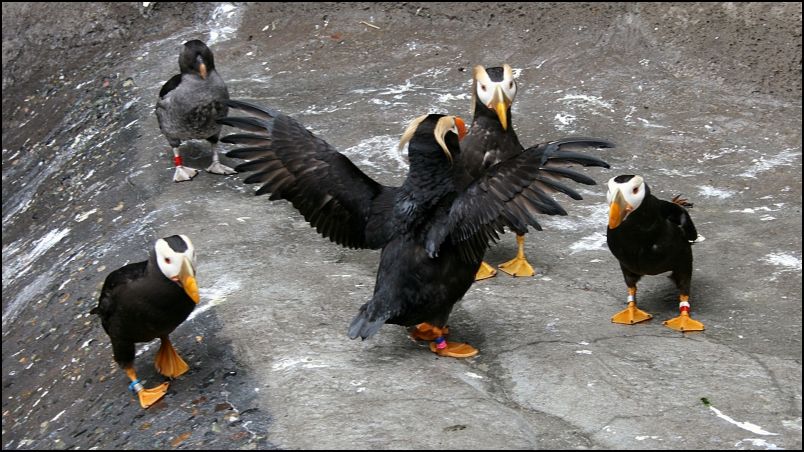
[(364, 327)]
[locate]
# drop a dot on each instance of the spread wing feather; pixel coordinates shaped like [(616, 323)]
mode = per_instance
[(291, 163), (512, 193)]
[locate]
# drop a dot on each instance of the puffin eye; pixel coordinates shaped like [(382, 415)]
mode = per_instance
[(483, 88), (167, 260), (511, 84), (635, 190)]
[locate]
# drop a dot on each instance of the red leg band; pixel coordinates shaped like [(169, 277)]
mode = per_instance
[(177, 160), (684, 308)]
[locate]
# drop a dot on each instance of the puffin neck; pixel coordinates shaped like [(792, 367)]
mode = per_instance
[(430, 169)]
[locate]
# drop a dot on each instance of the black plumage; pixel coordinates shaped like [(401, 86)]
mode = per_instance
[(433, 230), (649, 236), (146, 300), (189, 105), (492, 138)]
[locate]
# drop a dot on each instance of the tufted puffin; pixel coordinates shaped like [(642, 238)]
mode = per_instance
[(433, 230), (145, 300), (491, 140), (650, 236), (188, 105)]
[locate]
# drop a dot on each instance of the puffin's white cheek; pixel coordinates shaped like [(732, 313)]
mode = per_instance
[(483, 95)]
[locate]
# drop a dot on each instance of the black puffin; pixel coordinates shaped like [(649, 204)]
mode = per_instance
[(433, 230), (189, 105), (145, 300), (491, 140), (649, 236)]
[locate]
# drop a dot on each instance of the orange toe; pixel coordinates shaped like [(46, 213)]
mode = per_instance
[(150, 396), (454, 350)]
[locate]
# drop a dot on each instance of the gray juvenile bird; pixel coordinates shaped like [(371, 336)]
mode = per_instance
[(189, 105)]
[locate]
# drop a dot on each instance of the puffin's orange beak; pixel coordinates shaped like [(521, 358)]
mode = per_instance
[(618, 210), (202, 69), (186, 278), (461, 128)]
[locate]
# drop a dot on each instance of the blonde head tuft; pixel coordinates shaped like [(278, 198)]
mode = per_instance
[(444, 125)]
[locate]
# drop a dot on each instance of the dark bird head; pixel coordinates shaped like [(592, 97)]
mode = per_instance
[(175, 256), (494, 89), (196, 58), (625, 195), (424, 131)]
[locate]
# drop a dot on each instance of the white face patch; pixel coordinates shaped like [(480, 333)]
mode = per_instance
[(486, 88), (633, 191), (170, 261)]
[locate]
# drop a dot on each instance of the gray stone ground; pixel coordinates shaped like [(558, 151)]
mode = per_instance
[(703, 100)]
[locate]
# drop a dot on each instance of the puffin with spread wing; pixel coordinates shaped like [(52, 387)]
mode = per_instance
[(492, 140), (433, 230), (649, 236)]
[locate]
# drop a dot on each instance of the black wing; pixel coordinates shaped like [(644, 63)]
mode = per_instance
[(170, 85), (332, 193), (511, 193), (675, 213), (115, 281)]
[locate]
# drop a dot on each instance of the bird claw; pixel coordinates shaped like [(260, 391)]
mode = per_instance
[(684, 323), (219, 168), (148, 397), (183, 173), (631, 315), (485, 271), (454, 350), (517, 267)]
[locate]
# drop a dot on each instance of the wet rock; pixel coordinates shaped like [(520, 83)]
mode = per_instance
[(215, 427), (231, 418), (223, 406), (180, 439)]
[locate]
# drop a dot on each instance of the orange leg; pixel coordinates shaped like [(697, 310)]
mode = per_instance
[(147, 396), (518, 266), (168, 362), (684, 322), (631, 314), (427, 332)]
